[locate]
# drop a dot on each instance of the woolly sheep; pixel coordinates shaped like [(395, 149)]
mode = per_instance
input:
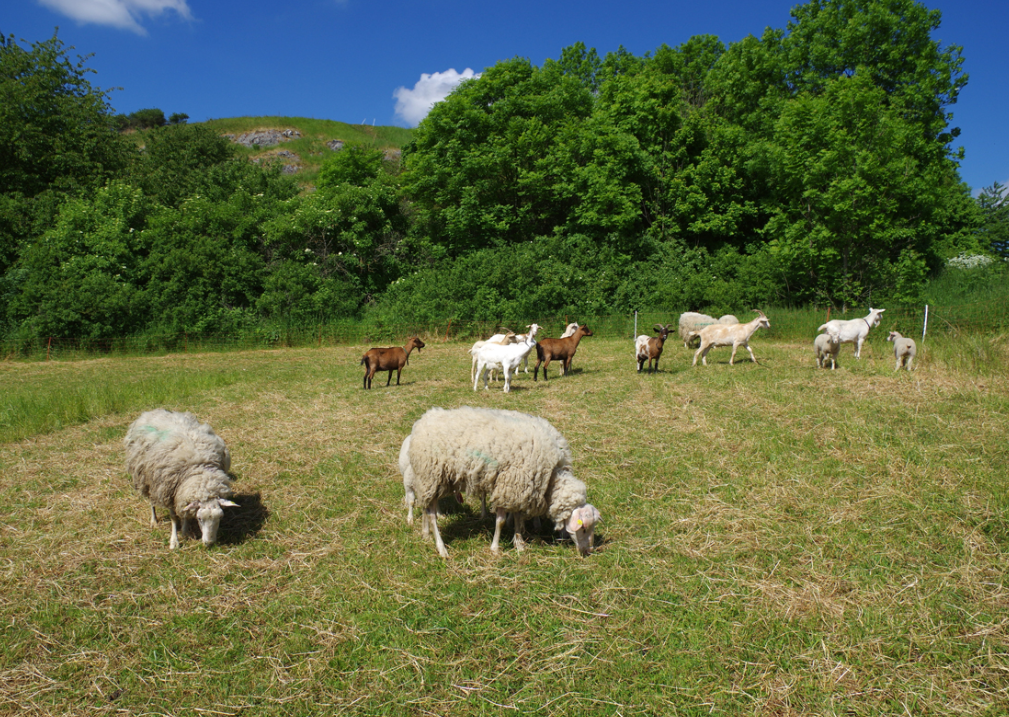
[(827, 346), (178, 463), (521, 463), (904, 350), (691, 324), (728, 319)]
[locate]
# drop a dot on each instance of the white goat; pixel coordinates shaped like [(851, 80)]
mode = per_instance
[(508, 338), (734, 335), (904, 350), (827, 346), (506, 358), (854, 331)]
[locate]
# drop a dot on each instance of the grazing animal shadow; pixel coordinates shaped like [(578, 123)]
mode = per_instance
[(241, 523)]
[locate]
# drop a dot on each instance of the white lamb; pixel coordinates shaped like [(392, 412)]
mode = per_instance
[(854, 331), (827, 346), (179, 463), (520, 462), (904, 350), (504, 358)]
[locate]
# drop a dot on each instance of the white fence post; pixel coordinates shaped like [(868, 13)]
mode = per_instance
[(924, 328)]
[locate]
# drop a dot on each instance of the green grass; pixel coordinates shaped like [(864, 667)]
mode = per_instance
[(311, 146), (776, 540)]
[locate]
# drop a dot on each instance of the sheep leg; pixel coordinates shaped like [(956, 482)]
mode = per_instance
[(174, 543), (897, 365), (154, 516), (517, 539), (502, 514), (483, 506), (508, 380), (431, 513), (910, 360), (704, 358)]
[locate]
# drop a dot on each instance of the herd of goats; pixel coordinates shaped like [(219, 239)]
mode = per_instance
[(518, 463), (505, 352)]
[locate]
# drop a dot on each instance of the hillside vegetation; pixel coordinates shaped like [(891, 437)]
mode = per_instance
[(801, 169)]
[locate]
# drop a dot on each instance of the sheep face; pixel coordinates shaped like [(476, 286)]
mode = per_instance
[(208, 515), (581, 526)]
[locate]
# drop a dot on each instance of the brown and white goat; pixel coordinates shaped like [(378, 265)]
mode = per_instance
[(562, 350), (730, 335), (389, 359), (649, 348)]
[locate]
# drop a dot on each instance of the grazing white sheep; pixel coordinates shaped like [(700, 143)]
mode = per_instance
[(730, 335), (854, 331), (904, 350), (728, 319), (827, 346), (520, 462), (691, 324), (178, 463), (506, 358)]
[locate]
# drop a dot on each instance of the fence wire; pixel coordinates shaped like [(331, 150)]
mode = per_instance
[(988, 317)]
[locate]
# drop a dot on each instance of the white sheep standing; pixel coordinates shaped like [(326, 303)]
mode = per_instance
[(521, 463), (503, 357), (854, 331), (826, 346), (691, 324), (904, 350), (178, 463)]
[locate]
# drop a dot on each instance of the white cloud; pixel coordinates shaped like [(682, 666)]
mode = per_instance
[(122, 14), (413, 105)]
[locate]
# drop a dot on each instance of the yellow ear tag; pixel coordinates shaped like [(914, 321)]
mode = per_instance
[(580, 523)]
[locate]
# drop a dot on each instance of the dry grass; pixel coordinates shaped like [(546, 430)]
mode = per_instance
[(777, 540)]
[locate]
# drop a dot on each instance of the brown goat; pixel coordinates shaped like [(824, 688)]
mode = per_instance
[(390, 359), (650, 348), (562, 350)]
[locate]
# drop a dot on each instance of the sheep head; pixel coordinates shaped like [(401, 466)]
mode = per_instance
[(208, 515), (893, 336), (581, 526)]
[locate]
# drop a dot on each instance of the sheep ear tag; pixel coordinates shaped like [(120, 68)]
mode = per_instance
[(575, 524), (227, 503)]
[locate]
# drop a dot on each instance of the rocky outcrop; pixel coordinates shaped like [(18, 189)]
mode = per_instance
[(264, 137)]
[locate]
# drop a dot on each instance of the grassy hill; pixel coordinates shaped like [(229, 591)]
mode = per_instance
[(311, 147)]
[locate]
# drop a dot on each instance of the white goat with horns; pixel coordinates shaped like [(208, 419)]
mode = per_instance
[(854, 331)]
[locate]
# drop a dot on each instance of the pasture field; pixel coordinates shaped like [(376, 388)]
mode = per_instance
[(776, 540)]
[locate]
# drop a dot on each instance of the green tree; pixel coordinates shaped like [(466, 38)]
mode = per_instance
[(176, 158), (481, 170), (857, 196), (993, 203), (57, 138), (354, 164), (81, 278)]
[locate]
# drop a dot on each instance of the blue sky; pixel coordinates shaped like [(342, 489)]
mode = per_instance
[(349, 60)]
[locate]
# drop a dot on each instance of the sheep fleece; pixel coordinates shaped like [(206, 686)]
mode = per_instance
[(164, 449), (521, 462)]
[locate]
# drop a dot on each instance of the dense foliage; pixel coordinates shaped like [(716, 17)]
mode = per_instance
[(811, 164)]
